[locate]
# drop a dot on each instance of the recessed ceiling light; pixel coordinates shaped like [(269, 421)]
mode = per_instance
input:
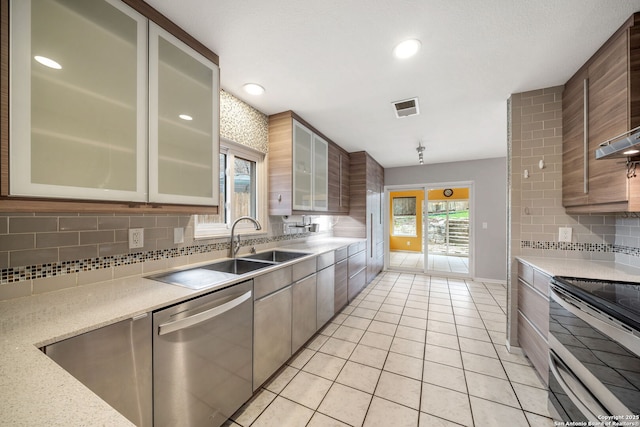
[(253, 89), (47, 62), (185, 117), (407, 48)]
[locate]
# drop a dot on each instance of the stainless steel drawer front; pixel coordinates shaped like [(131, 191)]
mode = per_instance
[(303, 268), (272, 281)]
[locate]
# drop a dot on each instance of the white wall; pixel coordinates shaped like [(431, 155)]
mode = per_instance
[(490, 184)]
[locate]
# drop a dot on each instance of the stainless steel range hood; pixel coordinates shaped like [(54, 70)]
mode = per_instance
[(624, 145)]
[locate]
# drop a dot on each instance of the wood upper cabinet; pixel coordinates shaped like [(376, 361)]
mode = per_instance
[(307, 172), (575, 177), (94, 134), (338, 180), (603, 95), (367, 189)]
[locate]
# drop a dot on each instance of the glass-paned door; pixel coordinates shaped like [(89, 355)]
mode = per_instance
[(448, 230)]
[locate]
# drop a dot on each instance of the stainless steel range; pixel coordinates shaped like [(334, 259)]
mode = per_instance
[(594, 351)]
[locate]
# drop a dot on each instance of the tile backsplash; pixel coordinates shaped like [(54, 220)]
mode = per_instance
[(43, 252), (536, 211)]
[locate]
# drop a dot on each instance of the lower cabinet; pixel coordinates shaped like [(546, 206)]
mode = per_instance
[(340, 298), (303, 311), (115, 362), (533, 317), (325, 308), (271, 333), (356, 269)]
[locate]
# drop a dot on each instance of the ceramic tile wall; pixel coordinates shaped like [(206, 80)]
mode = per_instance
[(536, 201), (627, 239)]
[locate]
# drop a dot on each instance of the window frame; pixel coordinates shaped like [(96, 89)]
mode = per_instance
[(232, 150), (393, 217)]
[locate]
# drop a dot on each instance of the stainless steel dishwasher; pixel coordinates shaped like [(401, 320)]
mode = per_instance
[(202, 358)]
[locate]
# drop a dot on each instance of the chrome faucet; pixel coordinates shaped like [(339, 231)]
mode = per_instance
[(235, 243)]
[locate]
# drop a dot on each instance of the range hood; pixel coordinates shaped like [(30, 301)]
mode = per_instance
[(624, 145)]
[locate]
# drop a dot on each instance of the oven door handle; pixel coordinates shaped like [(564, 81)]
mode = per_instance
[(600, 321), (586, 403)]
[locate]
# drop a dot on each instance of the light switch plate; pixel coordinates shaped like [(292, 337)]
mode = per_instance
[(178, 235), (564, 234)]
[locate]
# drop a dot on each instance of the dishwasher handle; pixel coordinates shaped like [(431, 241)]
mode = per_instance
[(187, 322)]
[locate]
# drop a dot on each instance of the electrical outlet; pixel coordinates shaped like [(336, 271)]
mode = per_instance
[(136, 238), (178, 235), (564, 234)]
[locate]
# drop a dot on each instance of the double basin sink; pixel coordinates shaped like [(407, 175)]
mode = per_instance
[(211, 274)]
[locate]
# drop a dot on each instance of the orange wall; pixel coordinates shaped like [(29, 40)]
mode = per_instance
[(406, 243)]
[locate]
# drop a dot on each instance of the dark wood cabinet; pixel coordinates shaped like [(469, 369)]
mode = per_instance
[(365, 218), (604, 95), (575, 179), (338, 180)]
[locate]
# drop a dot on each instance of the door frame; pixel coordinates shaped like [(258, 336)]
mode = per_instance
[(426, 187)]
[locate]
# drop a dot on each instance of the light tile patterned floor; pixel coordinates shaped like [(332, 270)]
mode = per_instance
[(444, 263), (410, 350)]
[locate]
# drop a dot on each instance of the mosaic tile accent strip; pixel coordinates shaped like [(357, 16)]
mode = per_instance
[(242, 123), (627, 250), (566, 246), (19, 274)]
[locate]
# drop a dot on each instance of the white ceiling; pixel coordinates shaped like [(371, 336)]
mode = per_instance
[(330, 61)]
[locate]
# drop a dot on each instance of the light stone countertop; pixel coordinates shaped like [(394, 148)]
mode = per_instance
[(605, 270), (34, 390)]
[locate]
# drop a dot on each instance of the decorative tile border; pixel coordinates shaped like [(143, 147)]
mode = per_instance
[(581, 247), (19, 274), (566, 246)]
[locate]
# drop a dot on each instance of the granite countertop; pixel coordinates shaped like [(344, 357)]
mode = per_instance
[(34, 390), (605, 270)]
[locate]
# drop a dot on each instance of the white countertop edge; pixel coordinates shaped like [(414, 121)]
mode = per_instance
[(35, 390), (604, 270)]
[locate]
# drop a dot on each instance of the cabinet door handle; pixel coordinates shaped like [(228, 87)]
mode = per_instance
[(585, 147), (372, 236), (340, 181)]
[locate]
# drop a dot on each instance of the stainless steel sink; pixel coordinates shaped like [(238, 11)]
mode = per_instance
[(211, 274), (276, 256), (237, 266)]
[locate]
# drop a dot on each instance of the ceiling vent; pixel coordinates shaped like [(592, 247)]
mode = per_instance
[(406, 107)]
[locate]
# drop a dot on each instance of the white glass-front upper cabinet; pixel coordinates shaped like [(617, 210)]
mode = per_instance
[(320, 174), (310, 170), (183, 122), (302, 167), (78, 100)]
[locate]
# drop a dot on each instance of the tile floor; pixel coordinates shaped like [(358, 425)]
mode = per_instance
[(410, 350), (444, 263)]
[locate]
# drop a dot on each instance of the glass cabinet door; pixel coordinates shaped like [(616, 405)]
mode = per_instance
[(302, 167), (183, 122), (78, 100), (320, 174)]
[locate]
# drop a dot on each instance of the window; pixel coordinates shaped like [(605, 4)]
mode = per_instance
[(242, 177), (404, 216)]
